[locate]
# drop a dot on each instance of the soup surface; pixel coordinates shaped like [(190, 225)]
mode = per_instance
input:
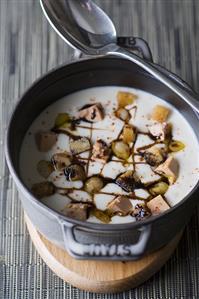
[(110, 155)]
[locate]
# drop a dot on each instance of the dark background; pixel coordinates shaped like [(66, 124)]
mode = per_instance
[(29, 48)]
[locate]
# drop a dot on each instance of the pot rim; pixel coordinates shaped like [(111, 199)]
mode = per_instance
[(83, 224)]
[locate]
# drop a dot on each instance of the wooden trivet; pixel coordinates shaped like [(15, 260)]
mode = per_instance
[(100, 276)]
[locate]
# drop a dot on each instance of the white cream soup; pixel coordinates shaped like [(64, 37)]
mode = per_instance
[(108, 130)]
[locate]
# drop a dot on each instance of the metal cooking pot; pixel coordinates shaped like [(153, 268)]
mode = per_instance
[(85, 240)]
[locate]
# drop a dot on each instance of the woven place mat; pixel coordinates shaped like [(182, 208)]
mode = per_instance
[(28, 48)]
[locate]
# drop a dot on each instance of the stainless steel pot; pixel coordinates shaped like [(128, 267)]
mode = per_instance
[(85, 240)]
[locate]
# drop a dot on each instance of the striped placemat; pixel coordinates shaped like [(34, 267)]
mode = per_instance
[(29, 48)]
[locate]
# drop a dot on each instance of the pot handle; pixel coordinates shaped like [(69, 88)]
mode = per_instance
[(136, 44), (178, 80), (104, 251), (140, 45), (129, 42)]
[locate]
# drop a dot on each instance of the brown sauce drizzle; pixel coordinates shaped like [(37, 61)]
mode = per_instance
[(93, 128), (76, 123)]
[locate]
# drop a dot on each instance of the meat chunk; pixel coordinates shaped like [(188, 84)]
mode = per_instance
[(79, 145), (154, 156), (101, 151), (78, 211), (92, 113), (160, 113), (45, 140), (43, 189), (140, 212), (157, 205), (160, 130), (169, 169), (120, 205), (128, 181)]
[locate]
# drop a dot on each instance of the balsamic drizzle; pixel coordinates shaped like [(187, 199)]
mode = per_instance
[(76, 123)]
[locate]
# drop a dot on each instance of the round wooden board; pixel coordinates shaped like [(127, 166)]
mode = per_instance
[(100, 276)]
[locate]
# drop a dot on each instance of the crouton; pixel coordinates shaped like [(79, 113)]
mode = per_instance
[(160, 113), (128, 134), (125, 98)]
